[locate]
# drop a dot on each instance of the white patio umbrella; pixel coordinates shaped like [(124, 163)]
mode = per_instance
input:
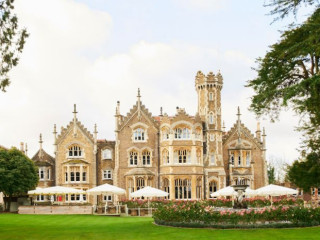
[(275, 190), (149, 192), (31, 192), (106, 189), (250, 192), (224, 192), (55, 191)]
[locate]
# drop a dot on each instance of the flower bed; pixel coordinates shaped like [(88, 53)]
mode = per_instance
[(197, 214)]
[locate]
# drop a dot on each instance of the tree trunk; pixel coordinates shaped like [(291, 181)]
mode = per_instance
[(7, 203)]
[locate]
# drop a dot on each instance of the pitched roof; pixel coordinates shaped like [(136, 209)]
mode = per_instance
[(43, 157)]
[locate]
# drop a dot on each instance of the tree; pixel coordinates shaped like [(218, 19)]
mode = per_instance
[(283, 8), (12, 41), (18, 174), (271, 174), (306, 174), (288, 76)]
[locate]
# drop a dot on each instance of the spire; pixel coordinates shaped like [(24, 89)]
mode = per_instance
[(223, 127), (239, 126), (258, 132), (55, 138), (74, 120), (95, 132), (26, 151), (40, 142), (118, 108), (22, 147), (139, 104), (161, 111)]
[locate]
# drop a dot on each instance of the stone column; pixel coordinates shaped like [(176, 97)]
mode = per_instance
[(171, 184), (193, 187)]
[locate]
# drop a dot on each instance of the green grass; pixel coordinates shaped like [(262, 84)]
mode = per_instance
[(61, 227)]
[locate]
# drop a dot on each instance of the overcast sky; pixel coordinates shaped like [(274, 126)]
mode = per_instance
[(95, 52)]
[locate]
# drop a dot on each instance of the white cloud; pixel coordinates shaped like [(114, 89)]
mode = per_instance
[(57, 70)]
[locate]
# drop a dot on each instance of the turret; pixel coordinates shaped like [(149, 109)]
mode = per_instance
[(55, 138), (258, 132), (95, 133)]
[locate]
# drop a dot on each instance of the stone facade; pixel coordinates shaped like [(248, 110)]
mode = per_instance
[(187, 156)]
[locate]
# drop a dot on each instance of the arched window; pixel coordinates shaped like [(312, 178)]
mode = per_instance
[(165, 134), (140, 183), (166, 187), (106, 154), (182, 189), (211, 118), (75, 151), (198, 133), (232, 159), (212, 187), (248, 159), (139, 135), (199, 156), (211, 96), (165, 157), (182, 133), (199, 188), (130, 186), (133, 158), (182, 156), (212, 158), (146, 158)]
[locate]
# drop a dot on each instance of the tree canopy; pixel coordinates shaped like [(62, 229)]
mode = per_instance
[(12, 41), (18, 174), (306, 174), (282, 8), (288, 76)]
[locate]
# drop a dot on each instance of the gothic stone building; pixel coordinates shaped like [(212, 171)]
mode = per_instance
[(187, 156)]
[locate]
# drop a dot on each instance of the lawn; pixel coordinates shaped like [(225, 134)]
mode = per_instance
[(61, 227)]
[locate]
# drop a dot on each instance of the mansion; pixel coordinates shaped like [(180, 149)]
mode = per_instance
[(187, 156)]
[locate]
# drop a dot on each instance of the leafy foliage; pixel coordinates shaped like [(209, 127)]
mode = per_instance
[(271, 174), (289, 76), (282, 8), (18, 174), (306, 174), (12, 41)]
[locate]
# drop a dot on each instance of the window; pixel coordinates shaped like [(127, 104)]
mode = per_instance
[(239, 160), (66, 177), (140, 183), (232, 159), (41, 173), (182, 133), (211, 118), (130, 186), (199, 156), (199, 188), (106, 154), (72, 179), (165, 134), (107, 174), (74, 173), (211, 96), (133, 158), (212, 159), (84, 176), (248, 159), (40, 198), (166, 187), (212, 187), (75, 151), (107, 198), (182, 156), (77, 176), (138, 134), (198, 133), (165, 157), (182, 189), (146, 158)]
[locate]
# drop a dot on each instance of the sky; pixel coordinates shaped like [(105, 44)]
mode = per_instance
[(94, 53)]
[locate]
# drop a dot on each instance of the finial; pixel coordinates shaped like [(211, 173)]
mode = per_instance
[(223, 127), (75, 108), (264, 132), (54, 129), (160, 111), (118, 108), (258, 126), (40, 141), (26, 151), (139, 93), (95, 128)]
